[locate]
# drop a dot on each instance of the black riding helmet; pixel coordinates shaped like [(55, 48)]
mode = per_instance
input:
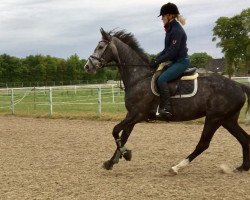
[(169, 8)]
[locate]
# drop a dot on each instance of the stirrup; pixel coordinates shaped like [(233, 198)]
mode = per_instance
[(166, 114)]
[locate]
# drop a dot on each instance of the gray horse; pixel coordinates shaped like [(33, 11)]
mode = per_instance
[(218, 99)]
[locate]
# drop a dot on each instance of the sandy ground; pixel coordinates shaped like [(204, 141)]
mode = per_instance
[(62, 159)]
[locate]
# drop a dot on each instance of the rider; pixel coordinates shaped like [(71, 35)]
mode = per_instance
[(175, 51)]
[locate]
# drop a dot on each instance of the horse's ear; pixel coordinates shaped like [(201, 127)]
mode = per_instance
[(105, 35)]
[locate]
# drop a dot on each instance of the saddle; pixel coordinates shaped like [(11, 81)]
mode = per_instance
[(184, 86)]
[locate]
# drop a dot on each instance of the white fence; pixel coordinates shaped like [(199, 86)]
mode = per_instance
[(101, 95), (245, 79), (96, 99)]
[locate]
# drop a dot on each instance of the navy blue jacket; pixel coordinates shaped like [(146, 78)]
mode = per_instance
[(175, 44)]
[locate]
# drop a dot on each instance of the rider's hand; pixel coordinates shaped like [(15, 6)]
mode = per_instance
[(153, 64)]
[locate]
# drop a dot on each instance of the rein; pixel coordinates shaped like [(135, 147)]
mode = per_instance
[(120, 65), (135, 82), (115, 52), (125, 65)]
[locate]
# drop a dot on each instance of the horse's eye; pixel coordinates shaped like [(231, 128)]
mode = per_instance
[(100, 47)]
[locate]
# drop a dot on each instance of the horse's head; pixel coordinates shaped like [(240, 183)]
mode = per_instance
[(102, 54)]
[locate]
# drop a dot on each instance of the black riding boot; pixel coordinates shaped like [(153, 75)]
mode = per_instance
[(165, 109)]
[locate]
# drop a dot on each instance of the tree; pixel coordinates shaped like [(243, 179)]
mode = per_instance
[(36, 68), (234, 39), (74, 67), (1, 67), (43, 70), (10, 68), (51, 67), (199, 59), (246, 23), (61, 70), (152, 56)]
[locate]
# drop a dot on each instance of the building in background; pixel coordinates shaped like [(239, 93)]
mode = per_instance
[(213, 66)]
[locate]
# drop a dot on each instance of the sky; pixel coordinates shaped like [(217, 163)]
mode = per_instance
[(62, 28)]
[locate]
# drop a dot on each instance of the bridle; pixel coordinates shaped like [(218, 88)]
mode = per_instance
[(102, 61)]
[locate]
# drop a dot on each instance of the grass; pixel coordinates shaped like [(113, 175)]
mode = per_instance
[(72, 104), (67, 103)]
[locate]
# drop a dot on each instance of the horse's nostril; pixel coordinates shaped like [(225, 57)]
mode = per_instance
[(86, 67)]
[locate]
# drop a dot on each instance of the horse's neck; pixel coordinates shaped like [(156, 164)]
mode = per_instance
[(132, 67)]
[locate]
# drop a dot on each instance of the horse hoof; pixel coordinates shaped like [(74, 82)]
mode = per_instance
[(241, 169), (128, 155), (107, 165), (172, 172)]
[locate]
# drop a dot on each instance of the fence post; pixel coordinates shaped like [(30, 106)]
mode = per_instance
[(12, 102), (113, 94), (34, 98), (7, 88), (50, 102), (99, 101)]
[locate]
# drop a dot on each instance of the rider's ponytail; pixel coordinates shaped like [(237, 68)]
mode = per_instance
[(181, 19)]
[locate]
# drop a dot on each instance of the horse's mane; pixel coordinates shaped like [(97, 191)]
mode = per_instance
[(131, 41)]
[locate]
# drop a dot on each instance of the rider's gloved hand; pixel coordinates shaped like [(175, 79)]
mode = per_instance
[(153, 64)]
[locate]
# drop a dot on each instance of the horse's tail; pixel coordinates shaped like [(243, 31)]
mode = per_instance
[(246, 89)]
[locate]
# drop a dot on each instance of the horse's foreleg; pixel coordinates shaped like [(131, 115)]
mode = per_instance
[(127, 126), (127, 154), (206, 136), (121, 150)]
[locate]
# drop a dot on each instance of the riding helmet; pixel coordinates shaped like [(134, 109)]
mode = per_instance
[(169, 8)]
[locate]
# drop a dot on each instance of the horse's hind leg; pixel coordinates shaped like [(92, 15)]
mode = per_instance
[(244, 139), (208, 132)]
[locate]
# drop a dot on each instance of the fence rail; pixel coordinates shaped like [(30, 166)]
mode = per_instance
[(62, 99), (95, 99), (54, 83)]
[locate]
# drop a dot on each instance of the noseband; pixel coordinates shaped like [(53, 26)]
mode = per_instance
[(102, 60)]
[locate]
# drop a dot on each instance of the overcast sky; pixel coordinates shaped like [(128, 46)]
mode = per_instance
[(62, 28)]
